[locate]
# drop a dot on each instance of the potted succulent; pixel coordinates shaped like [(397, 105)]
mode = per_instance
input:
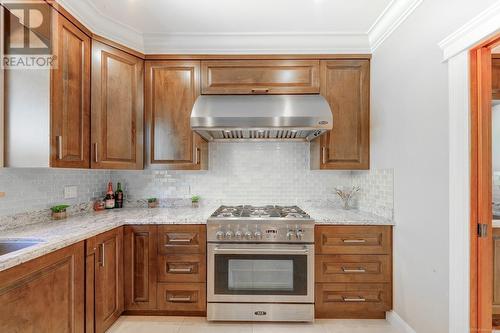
[(152, 202), (195, 201), (59, 212)]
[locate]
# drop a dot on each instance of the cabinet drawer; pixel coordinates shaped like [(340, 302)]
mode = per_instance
[(182, 297), (352, 300), (353, 268), (182, 268), (174, 239), (260, 77), (353, 240)]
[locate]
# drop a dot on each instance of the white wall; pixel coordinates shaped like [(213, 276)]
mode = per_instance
[(410, 133)]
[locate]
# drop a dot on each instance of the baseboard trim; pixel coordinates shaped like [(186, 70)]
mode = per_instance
[(399, 323)]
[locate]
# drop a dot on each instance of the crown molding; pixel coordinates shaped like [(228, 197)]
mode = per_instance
[(391, 18), (479, 29), (256, 43), (103, 25), (250, 43)]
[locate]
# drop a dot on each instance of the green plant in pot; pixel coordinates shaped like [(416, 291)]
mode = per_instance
[(195, 201), (59, 212), (152, 202)]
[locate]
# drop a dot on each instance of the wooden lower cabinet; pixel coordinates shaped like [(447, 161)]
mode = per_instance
[(496, 272), (353, 271), (45, 294), (165, 269), (104, 264)]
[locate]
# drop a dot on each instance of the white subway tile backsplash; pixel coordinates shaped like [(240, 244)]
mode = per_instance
[(239, 173)]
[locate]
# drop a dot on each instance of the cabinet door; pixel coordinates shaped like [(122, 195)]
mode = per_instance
[(117, 109), (346, 86), (140, 267), (45, 294), (496, 272), (495, 70), (260, 77), (108, 303), (171, 91), (70, 98)]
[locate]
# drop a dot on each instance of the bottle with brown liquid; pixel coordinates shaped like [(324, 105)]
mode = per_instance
[(110, 197), (119, 196)]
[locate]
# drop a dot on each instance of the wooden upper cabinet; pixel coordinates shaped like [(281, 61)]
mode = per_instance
[(70, 97), (117, 108), (496, 76), (260, 77), (171, 91), (346, 86)]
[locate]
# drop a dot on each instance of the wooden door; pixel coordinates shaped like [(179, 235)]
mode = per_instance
[(171, 91), (70, 97), (108, 272), (45, 294), (496, 276), (260, 77), (117, 109), (346, 86), (495, 71), (140, 256)]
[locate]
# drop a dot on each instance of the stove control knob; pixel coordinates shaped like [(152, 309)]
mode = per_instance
[(248, 235), (258, 235), (220, 235), (289, 235), (229, 234), (238, 235)]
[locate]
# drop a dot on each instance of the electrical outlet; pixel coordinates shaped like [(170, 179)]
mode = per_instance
[(70, 192)]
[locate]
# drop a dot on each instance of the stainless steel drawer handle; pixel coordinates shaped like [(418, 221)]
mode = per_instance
[(174, 299), (324, 151), (353, 270), (257, 250), (96, 153), (260, 90), (350, 299), (179, 240), (354, 241), (180, 270)]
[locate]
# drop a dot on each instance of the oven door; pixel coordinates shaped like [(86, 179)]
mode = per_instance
[(261, 273)]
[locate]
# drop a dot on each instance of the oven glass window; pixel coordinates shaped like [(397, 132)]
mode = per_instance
[(260, 274), (237, 274)]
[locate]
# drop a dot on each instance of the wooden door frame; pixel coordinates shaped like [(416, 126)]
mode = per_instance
[(481, 251)]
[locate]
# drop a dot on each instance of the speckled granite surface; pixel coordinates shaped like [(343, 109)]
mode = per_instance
[(55, 235)]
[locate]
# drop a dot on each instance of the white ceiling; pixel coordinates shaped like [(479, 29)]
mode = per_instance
[(260, 26), (238, 16)]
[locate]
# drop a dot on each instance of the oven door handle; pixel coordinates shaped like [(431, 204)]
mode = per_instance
[(232, 250)]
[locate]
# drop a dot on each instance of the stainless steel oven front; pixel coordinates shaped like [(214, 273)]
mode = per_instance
[(260, 282)]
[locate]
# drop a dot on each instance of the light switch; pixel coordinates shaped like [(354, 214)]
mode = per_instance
[(70, 192)]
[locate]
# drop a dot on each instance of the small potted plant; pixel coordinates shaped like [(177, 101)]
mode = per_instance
[(152, 202), (59, 212), (195, 201)]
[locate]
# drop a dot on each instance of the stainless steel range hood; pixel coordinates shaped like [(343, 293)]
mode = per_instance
[(261, 117)]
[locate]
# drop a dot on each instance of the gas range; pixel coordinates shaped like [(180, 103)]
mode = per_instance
[(260, 264), (260, 224)]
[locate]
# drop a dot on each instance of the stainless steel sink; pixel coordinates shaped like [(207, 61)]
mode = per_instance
[(8, 246)]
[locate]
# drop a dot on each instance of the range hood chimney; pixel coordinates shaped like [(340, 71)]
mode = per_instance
[(261, 117)]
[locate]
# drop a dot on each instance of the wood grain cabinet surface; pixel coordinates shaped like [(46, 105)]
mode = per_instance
[(104, 280), (496, 272), (45, 294), (346, 86), (140, 266), (260, 77), (117, 109), (172, 88), (182, 239), (495, 70), (353, 271), (70, 97)]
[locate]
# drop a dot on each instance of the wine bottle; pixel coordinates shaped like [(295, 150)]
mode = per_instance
[(119, 196), (110, 197)]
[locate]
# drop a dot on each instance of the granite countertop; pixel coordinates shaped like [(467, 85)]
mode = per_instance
[(55, 235)]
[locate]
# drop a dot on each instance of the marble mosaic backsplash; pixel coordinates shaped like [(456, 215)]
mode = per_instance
[(239, 173)]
